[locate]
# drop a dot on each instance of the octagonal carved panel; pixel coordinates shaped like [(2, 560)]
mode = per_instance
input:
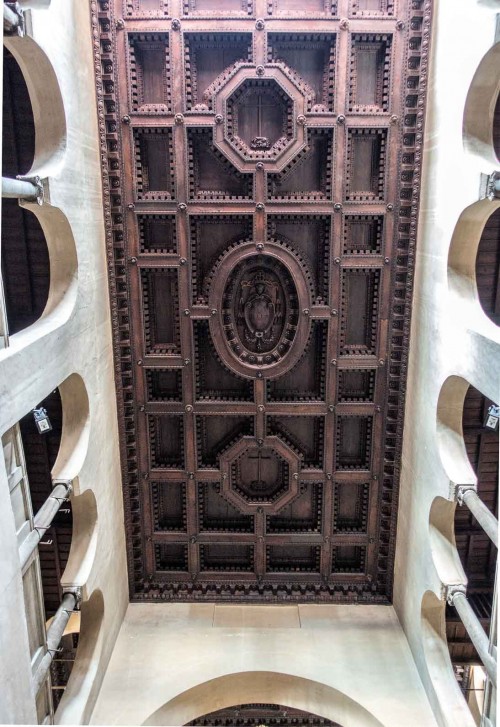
[(260, 475)]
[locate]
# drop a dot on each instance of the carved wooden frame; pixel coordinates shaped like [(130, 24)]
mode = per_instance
[(401, 219)]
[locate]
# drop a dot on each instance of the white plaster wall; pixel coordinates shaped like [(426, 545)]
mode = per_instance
[(361, 651), (74, 338), (450, 336)]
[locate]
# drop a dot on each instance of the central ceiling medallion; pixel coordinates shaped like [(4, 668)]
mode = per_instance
[(260, 303)]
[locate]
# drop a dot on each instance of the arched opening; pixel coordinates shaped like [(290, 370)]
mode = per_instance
[(255, 715), (477, 553), (24, 251), (463, 552), (77, 701), (481, 108), (38, 454), (488, 267), (444, 692), (473, 267), (263, 688)]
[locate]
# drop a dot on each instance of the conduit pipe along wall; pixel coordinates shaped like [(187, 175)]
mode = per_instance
[(43, 519), (70, 603)]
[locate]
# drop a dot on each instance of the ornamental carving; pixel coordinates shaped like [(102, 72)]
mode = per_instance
[(261, 261), (259, 298), (260, 475)]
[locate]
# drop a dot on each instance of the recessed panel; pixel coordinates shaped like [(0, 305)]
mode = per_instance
[(150, 72), (172, 557), (311, 58), (306, 381), (207, 7), (154, 160), (293, 558), (353, 442), (309, 235), (366, 164), (215, 434), (212, 176), (214, 381), (370, 63), (211, 235), (164, 384), (217, 514), (166, 441), (169, 506), (303, 434), (209, 56), (351, 507), (372, 7), (363, 234), (161, 322), (295, 7), (157, 233), (226, 557), (356, 385), (349, 559), (303, 515), (360, 290), (309, 176)]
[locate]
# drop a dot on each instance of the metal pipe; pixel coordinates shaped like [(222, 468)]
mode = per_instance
[(43, 519), (21, 189), (34, 4), (11, 20), (468, 496), (54, 636), (456, 597)]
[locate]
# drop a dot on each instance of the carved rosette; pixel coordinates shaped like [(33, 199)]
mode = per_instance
[(259, 328)]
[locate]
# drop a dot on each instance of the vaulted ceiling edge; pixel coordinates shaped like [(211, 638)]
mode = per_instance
[(260, 403)]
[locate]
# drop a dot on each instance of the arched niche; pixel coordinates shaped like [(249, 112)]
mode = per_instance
[(443, 546), (83, 542), (487, 270), (480, 105), (444, 693), (81, 691), (265, 687), (38, 252), (47, 261), (47, 104), (463, 263), (75, 431), (70, 458), (450, 438)]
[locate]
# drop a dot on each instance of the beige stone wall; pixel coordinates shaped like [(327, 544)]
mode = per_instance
[(174, 662), (453, 343), (71, 343)]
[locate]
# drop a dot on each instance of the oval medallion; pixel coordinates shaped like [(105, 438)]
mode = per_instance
[(260, 297)]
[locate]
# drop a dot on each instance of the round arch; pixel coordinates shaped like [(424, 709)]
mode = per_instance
[(462, 260), (263, 686), (480, 104), (47, 103), (450, 436)]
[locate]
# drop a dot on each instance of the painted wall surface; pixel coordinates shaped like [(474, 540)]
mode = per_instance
[(358, 652), (450, 336), (73, 337)]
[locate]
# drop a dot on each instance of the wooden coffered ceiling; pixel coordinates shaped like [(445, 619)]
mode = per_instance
[(261, 175)]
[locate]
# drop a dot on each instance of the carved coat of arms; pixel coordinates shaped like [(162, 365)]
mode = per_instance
[(260, 310)]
